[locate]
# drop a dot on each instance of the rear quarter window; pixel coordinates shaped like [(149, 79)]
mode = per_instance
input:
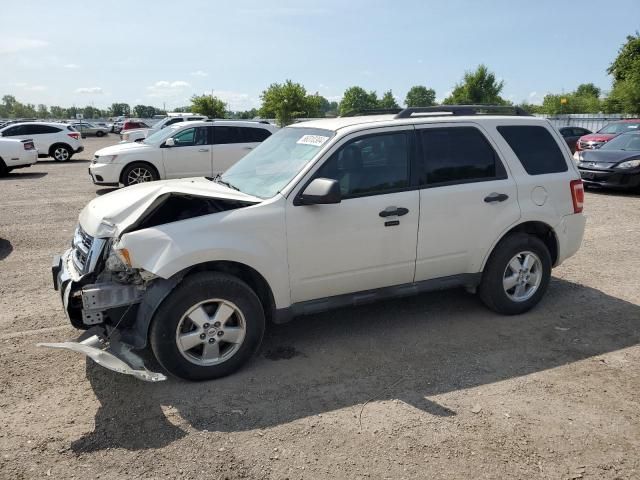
[(536, 149)]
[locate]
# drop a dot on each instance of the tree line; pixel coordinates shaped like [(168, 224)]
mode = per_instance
[(289, 100)]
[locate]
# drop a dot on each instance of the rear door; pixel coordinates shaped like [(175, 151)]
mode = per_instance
[(230, 144), (467, 198), (191, 155)]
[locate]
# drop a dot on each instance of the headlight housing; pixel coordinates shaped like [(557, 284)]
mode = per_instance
[(577, 156), (629, 164), (105, 158)]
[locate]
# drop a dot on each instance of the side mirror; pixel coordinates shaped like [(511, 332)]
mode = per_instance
[(321, 191), (170, 142)]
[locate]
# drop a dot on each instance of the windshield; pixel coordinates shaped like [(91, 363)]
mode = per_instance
[(619, 127), (627, 141), (160, 136), (273, 164)]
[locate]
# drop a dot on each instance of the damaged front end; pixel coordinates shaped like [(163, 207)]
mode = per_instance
[(102, 293)]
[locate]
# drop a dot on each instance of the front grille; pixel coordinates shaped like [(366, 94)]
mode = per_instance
[(81, 244)]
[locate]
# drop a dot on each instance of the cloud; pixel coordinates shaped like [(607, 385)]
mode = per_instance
[(167, 89), (36, 88), (237, 100), (10, 45), (199, 73), (535, 98), (71, 66), (89, 90)]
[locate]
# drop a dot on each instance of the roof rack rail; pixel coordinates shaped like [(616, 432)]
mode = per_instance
[(465, 110), (372, 111)]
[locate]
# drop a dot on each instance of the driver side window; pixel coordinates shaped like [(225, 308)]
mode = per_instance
[(191, 137), (370, 165)]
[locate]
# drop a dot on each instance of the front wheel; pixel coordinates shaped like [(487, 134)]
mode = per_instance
[(516, 275), (138, 173), (99, 133), (208, 327)]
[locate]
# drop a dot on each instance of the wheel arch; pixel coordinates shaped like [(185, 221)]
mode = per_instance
[(541, 230), (138, 334)]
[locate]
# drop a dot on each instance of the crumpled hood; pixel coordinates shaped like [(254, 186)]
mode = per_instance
[(122, 148), (110, 214)]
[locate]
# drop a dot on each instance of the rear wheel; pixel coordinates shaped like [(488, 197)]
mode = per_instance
[(516, 275), (139, 173), (60, 153), (208, 327), (3, 169)]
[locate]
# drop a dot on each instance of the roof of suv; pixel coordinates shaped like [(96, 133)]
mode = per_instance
[(226, 123), (362, 122), (55, 124)]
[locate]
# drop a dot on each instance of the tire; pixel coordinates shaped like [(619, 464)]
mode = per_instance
[(139, 172), (60, 153), (526, 287), (189, 313), (99, 133), (4, 171)]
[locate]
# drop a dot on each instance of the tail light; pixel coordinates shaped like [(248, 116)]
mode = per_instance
[(577, 195), (75, 135), (28, 145)]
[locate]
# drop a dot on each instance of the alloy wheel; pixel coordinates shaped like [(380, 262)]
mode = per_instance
[(522, 276)]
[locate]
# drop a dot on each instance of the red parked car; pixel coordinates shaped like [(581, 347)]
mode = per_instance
[(606, 133)]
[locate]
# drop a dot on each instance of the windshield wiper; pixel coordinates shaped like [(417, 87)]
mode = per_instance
[(218, 179)]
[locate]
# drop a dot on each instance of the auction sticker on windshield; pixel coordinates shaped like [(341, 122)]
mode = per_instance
[(315, 140)]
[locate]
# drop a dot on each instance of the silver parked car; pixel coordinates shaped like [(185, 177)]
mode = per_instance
[(86, 128)]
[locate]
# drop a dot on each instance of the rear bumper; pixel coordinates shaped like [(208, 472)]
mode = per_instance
[(23, 160), (569, 232), (611, 179)]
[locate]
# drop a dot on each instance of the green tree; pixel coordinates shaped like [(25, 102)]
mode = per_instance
[(625, 69), (356, 99), (420, 96), (388, 101), (144, 111), (208, 105), (120, 109), (477, 87), (57, 112), (284, 101), (314, 106), (42, 111), (587, 90)]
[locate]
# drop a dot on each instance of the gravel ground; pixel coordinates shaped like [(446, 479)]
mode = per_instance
[(434, 386)]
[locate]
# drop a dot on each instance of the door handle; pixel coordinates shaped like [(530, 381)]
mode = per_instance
[(390, 211), (247, 148), (496, 197), (203, 150)]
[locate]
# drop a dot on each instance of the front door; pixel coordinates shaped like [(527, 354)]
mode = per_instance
[(467, 200), (368, 240), (190, 156)]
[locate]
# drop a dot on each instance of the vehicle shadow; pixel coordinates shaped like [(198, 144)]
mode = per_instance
[(406, 349), (15, 175), (51, 161), (5, 248), (613, 192)]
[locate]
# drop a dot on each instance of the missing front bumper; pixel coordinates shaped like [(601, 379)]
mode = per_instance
[(110, 353)]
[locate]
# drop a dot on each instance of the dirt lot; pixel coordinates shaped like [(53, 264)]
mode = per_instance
[(428, 387)]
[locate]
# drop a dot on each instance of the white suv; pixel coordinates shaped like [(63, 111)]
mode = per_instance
[(57, 140), (140, 134), (323, 214), (185, 149)]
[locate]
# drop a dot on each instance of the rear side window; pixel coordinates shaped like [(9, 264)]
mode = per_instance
[(40, 129), (254, 135), (223, 135), (457, 155), (536, 149)]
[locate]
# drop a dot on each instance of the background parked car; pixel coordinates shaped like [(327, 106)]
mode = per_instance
[(139, 134), (87, 129), (571, 135), (129, 125), (16, 154), (186, 149), (58, 140), (606, 133), (616, 164)]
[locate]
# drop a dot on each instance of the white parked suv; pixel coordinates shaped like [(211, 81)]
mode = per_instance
[(323, 214), (16, 154), (57, 140), (142, 133), (185, 149)]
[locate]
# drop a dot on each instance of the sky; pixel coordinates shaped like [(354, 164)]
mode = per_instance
[(160, 53)]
